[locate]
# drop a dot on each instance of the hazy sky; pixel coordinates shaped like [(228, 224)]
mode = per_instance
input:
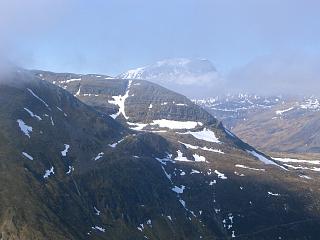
[(111, 36)]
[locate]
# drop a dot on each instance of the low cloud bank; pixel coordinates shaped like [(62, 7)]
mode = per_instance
[(278, 74)]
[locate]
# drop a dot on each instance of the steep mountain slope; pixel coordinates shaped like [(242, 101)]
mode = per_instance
[(71, 172), (45, 144), (183, 75), (130, 100), (142, 105), (278, 124)]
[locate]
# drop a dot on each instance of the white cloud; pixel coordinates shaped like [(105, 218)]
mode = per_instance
[(278, 74), (23, 21)]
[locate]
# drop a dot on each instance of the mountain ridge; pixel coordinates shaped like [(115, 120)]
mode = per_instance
[(285, 123), (87, 175)]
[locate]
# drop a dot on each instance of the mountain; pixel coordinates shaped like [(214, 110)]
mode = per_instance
[(274, 123), (170, 69), (183, 75), (151, 170), (235, 108)]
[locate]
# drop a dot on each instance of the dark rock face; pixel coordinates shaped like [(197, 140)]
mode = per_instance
[(69, 171)]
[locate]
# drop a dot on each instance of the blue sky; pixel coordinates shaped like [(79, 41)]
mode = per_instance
[(111, 36)]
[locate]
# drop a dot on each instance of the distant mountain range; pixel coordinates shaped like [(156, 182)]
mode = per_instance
[(274, 123)]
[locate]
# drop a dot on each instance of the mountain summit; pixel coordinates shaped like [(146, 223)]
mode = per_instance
[(183, 75), (169, 69)]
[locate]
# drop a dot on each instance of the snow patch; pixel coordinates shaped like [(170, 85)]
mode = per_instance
[(205, 135), (212, 182), (120, 102), (27, 155), (167, 175), (24, 128), (165, 159), (101, 229), (274, 194), (100, 155), (172, 124), (280, 112), (292, 160), (37, 97), (254, 169), (71, 169), (220, 175), (71, 80), (149, 222), (78, 92), (202, 148), (32, 114), (65, 151), (183, 203), (212, 150), (96, 211), (305, 176), (52, 122), (199, 158), (181, 104), (261, 157), (137, 126), (178, 190), (194, 171), (316, 169), (62, 111), (48, 173), (181, 158), (113, 145), (238, 174)]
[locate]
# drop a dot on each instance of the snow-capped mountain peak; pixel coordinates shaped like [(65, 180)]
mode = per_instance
[(184, 75), (171, 69), (133, 73)]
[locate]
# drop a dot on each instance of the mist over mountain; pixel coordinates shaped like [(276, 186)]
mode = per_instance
[(267, 75), (289, 74), (190, 77)]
